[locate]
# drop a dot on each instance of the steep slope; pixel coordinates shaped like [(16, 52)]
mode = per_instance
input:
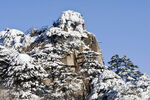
[(61, 62)]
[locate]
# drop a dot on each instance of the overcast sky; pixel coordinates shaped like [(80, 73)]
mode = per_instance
[(123, 26)]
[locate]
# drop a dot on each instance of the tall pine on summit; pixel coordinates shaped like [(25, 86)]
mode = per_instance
[(125, 68)]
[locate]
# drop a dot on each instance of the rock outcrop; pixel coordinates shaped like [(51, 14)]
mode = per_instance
[(62, 62), (72, 59), (63, 57), (73, 21)]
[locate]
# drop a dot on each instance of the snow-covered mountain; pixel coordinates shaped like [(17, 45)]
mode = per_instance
[(62, 62)]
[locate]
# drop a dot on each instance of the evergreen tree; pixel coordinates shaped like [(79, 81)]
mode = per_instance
[(125, 68), (90, 65), (20, 73)]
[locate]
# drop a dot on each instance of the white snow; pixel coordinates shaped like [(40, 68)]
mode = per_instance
[(11, 38), (71, 16), (28, 40), (59, 32), (21, 59), (31, 67), (71, 21)]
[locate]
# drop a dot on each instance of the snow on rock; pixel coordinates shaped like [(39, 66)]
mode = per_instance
[(19, 72), (22, 59), (2, 33), (112, 87), (61, 62), (109, 74), (71, 16), (13, 32), (28, 40), (106, 85), (59, 32), (143, 85), (70, 21), (11, 38)]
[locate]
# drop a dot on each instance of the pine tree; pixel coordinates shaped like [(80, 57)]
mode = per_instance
[(19, 73), (90, 68), (90, 64), (125, 68)]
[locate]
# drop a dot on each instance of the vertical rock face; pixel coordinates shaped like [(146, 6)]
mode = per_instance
[(90, 41), (73, 21), (82, 46), (93, 45)]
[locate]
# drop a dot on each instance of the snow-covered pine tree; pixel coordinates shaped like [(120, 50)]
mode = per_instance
[(90, 65), (106, 86), (90, 68), (20, 73), (125, 68)]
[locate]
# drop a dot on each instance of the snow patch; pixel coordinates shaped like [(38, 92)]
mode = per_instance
[(22, 59)]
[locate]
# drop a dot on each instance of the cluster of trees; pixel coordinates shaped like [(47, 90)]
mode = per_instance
[(125, 68)]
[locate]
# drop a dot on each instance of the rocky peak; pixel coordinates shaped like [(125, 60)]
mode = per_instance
[(62, 56), (70, 21), (69, 31), (59, 62)]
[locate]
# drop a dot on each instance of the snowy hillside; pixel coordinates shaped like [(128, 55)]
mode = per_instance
[(62, 62)]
